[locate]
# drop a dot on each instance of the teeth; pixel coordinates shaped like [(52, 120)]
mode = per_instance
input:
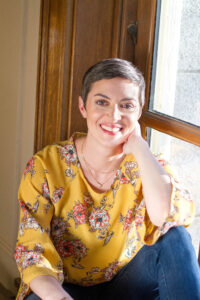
[(115, 129)]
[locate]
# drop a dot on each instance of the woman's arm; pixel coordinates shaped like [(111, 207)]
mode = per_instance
[(155, 181), (36, 256), (48, 288)]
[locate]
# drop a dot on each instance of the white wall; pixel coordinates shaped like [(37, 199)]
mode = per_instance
[(19, 36)]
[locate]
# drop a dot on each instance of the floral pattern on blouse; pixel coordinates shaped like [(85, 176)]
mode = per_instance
[(80, 213), (106, 274), (59, 227), (74, 248), (32, 257), (57, 194), (30, 167), (99, 219), (68, 153), (45, 190), (67, 230)]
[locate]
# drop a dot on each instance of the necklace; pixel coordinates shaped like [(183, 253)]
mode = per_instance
[(90, 169)]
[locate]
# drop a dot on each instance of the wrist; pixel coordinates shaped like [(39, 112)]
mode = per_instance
[(140, 147)]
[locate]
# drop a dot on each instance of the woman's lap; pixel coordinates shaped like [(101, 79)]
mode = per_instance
[(170, 266)]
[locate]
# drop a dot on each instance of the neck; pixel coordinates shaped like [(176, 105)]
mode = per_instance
[(102, 157)]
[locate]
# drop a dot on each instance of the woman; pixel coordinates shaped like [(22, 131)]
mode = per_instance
[(96, 210)]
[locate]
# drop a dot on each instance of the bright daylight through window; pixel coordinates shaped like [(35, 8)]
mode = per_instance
[(175, 90)]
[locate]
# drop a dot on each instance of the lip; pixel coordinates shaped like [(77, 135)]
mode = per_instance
[(111, 129), (111, 125)]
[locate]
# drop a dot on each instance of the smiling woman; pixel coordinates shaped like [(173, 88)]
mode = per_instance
[(112, 109), (99, 212)]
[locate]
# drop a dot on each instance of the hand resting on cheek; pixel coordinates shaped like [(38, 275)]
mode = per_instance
[(133, 140)]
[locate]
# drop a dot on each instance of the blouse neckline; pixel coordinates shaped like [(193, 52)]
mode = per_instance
[(82, 134)]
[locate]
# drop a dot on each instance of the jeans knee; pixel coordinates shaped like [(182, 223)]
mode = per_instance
[(177, 237)]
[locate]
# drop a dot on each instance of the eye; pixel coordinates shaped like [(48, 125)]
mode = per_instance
[(102, 102), (129, 106)]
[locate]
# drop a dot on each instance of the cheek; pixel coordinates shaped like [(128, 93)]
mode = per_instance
[(93, 115), (132, 119), (131, 122)]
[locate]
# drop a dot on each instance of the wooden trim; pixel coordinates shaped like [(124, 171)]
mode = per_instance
[(174, 127), (144, 48), (146, 16), (123, 28), (41, 76), (150, 52), (71, 70), (116, 28), (54, 72)]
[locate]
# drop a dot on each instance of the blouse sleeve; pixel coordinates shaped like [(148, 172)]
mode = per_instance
[(35, 253), (181, 209)]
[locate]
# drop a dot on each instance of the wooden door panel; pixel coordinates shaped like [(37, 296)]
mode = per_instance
[(54, 70), (93, 42), (74, 35), (126, 42)]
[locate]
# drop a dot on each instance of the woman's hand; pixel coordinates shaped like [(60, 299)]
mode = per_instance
[(48, 288), (134, 141)]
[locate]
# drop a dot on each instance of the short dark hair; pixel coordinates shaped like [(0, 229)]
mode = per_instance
[(111, 68)]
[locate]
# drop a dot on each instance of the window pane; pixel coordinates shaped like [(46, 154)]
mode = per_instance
[(185, 159), (175, 86)]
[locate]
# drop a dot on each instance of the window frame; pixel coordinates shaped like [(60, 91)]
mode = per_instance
[(143, 59)]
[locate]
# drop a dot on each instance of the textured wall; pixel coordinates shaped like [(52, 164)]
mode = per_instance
[(19, 30)]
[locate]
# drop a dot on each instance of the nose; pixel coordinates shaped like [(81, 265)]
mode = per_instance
[(115, 113)]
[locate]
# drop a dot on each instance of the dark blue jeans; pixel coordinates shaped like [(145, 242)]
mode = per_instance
[(168, 270)]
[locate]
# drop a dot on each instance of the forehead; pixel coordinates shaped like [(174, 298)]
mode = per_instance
[(116, 87)]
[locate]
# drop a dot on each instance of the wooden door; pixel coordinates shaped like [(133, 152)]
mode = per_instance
[(74, 35)]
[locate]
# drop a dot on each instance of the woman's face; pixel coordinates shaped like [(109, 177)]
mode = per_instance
[(112, 109)]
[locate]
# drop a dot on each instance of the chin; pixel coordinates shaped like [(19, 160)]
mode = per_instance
[(113, 141)]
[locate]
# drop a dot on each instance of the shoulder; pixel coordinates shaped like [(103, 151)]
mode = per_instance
[(50, 157), (62, 150)]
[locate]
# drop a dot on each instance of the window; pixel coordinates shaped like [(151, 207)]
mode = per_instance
[(171, 118)]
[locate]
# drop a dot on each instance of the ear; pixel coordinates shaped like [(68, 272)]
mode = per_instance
[(81, 106)]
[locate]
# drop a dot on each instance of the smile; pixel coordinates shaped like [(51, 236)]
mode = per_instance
[(111, 129)]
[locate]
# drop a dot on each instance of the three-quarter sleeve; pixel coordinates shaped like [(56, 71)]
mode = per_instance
[(181, 209), (35, 253)]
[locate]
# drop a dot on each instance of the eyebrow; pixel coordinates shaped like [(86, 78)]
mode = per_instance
[(129, 99), (104, 96)]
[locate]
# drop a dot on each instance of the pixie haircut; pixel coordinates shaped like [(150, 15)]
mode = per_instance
[(111, 68)]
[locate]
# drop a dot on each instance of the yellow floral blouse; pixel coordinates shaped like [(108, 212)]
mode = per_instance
[(69, 231)]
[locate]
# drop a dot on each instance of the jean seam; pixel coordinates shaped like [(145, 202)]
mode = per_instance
[(165, 282)]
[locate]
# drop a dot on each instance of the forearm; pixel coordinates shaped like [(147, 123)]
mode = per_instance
[(155, 182), (48, 288)]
